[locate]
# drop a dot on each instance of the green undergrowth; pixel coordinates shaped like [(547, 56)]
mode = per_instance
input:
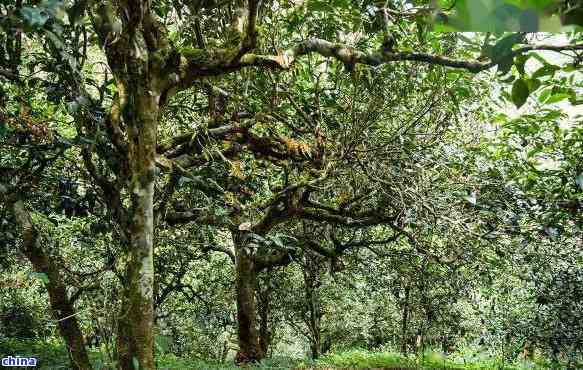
[(362, 359), (171, 362), (51, 354)]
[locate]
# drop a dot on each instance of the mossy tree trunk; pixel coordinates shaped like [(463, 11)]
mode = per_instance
[(137, 57), (311, 285), (405, 321), (250, 259), (264, 310), (246, 280), (62, 307), (136, 321)]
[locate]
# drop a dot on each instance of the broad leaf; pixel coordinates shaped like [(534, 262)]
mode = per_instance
[(520, 92)]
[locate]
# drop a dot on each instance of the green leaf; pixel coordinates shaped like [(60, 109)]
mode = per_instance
[(520, 92), (40, 276), (552, 114), (318, 6), (136, 363), (501, 53), (532, 153), (555, 98), (163, 343), (571, 68), (533, 84), (504, 65), (34, 17), (519, 62), (509, 79), (544, 95), (73, 107), (538, 57), (183, 180), (277, 241), (579, 181), (546, 70), (471, 198), (503, 48)]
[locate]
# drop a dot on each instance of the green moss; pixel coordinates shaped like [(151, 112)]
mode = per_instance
[(197, 56), (202, 57)]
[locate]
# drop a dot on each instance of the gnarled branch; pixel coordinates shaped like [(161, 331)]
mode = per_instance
[(217, 62)]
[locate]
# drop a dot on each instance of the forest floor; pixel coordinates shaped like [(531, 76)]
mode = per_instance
[(368, 360), (53, 356)]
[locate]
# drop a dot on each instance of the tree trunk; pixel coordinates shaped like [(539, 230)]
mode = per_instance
[(420, 342), (444, 343), (246, 281), (264, 307), (313, 306), (136, 321), (63, 309), (404, 322), (527, 350)]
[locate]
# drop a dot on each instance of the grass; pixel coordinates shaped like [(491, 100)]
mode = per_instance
[(52, 355), (361, 360)]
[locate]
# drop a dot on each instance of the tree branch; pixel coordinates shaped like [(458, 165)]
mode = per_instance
[(216, 248), (280, 258), (249, 40), (215, 133), (200, 216), (9, 75), (111, 193), (216, 62), (370, 218)]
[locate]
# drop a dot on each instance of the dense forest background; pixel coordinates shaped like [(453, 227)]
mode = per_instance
[(291, 184)]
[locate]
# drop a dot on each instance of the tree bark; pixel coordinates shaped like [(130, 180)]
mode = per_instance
[(62, 307), (313, 306), (137, 58), (405, 322), (246, 281), (136, 321), (264, 308)]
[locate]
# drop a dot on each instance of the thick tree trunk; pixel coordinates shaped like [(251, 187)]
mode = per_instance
[(264, 308), (136, 321), (63, 309), (246, 281), (316, 345)]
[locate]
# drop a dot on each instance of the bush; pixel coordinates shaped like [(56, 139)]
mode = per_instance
[(49, 354), (17, 318)]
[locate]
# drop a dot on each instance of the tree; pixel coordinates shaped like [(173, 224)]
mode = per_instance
[(48, 269), (152, 61)]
